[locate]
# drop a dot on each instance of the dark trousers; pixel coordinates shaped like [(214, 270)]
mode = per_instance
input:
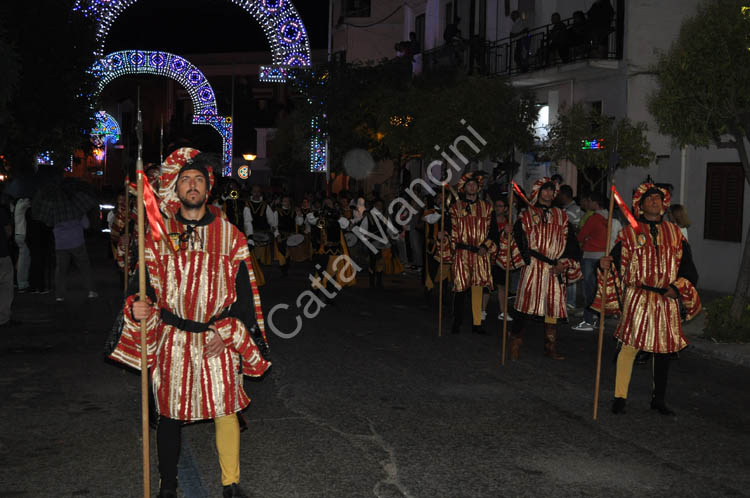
[(40, 242), (661, 373), (80, 257), (168, 443)]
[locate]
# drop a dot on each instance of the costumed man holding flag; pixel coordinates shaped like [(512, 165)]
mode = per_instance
[(203, 317), (652, 276), (547, 251), (472, 249)]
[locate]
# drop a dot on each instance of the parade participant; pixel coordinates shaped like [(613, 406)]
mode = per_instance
[(382, 259), (204, 320), (305, 228), (260, 225), (546, 250), (500, 220), (472, 250), (652, 275), (286, 223), (436, 244), (328, 245), (234, 206)]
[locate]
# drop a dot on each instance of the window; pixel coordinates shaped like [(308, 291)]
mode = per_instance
[(356, 8), (725, 191)]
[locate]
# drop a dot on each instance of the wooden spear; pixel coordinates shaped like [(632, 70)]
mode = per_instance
[(506, 313), (603, 306), (142, 297), (612, 166), (126, 269), (440, 271)]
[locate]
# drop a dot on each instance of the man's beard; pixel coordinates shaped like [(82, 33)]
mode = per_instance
[(190, 205)]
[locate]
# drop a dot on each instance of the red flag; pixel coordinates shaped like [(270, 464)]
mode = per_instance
[(624, 208), (158, 230), (519, 192)]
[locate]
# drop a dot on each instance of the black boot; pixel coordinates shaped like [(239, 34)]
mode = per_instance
[(477, 329), (233, 491), (458, 312), (661, 372), (380, 279), (372, 280), (618, 405)]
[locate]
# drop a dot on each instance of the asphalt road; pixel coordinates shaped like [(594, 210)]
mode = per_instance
[(367, 401)]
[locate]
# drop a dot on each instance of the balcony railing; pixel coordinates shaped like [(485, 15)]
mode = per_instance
[(538, 48)]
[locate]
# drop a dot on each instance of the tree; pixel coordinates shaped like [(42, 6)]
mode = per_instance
[(703, 99), (49, 107), (623, 138), (383, 109)]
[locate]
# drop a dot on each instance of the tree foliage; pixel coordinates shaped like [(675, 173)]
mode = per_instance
[(48, 105), (624, 142), (703, 98), (383, 109)]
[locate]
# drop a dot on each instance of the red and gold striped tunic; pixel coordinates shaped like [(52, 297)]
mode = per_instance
[(470, 228), (544, 232), (644, 264), (198, 281)]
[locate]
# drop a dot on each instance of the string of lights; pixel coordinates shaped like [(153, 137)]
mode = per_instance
[(284, 30)]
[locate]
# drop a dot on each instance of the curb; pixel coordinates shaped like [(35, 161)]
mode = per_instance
[(738, 354)]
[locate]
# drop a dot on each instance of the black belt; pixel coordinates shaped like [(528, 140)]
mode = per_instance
[(657, 290), (545, 259), (542, 257), (189, 325), (467, 247)]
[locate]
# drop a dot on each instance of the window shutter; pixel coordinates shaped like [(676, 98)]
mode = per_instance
[(725, 191)]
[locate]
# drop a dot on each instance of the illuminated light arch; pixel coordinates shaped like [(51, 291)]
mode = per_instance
[(286, 35), (106, 127), (179, 69), (282, 25)]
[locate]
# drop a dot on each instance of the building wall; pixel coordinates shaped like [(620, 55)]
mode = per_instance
[(375, 42)]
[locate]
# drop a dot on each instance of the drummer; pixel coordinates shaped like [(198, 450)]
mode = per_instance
[(286, 223), (259, 225)]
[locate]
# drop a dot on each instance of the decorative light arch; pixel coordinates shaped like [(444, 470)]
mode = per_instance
[(284, 30), (107, 127), (286, 35), (178, 68)]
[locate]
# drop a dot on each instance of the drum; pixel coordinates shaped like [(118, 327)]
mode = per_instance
[(295, 240), (298, 248), (351, 239), (261, 239)]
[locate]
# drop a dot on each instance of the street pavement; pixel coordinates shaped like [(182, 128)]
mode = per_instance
[(367, 400)]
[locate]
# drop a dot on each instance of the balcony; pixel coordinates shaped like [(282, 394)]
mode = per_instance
[(549, 47)]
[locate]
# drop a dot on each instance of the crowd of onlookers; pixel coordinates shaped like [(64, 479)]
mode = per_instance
[(36, 258)]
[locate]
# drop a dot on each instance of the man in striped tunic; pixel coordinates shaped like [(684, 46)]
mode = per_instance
[(470, 221), (203, 316), (653, 277), (546, 250)]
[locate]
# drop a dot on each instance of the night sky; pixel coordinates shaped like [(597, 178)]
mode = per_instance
[(201, 26)]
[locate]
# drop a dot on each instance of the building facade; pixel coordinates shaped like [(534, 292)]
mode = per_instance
[(607, 73)]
